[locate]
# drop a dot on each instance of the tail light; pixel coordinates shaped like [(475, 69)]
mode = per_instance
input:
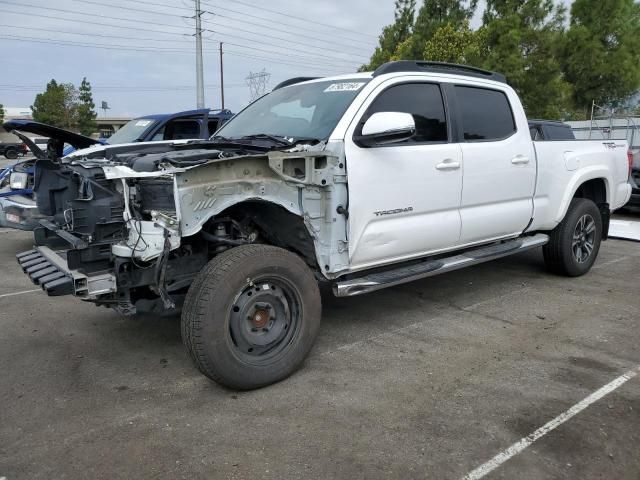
[(630, 160)]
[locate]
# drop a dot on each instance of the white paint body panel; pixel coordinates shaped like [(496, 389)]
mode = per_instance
[(410, 180), (565, 165), (498, 198), (402, 204), (400, 177), (499, 182)]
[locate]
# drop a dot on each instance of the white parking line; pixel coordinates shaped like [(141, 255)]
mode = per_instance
[(20, 293), (610, 262), (518, 447)]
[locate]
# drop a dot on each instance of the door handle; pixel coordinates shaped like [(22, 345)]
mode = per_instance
[(520, 160), (448, 164)]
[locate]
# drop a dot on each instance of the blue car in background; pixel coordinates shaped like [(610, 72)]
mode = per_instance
[(17, 205)]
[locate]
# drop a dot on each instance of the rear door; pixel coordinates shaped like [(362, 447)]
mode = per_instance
[(404, 197), (499, 164)]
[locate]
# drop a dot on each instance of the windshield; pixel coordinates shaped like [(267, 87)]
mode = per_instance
[(309, 110), (131, 131)]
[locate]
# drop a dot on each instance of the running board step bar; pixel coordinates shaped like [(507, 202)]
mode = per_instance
[(389, 278)]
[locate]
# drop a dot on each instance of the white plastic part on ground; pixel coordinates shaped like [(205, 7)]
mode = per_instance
[(625, 229)]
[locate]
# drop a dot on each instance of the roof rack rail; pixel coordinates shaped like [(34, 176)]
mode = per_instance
[(293, 81), (437, 67)]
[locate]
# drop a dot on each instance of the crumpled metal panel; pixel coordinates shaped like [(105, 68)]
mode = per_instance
[(310, 184)]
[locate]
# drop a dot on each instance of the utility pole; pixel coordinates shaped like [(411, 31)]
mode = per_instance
[(199, 68), (221, 77)]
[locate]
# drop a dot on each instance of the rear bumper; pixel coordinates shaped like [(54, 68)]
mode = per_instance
[(634, 200), (49, 269), (20, 212)]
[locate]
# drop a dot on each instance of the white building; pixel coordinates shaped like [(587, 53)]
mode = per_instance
[(13, 113)]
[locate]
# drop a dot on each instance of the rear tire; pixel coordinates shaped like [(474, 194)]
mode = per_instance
[(574, 244), (11, 154), (251, 316)]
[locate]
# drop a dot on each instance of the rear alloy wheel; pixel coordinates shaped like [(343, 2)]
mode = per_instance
[(584, 238), (11, 154), (574, 244), (251, 316)]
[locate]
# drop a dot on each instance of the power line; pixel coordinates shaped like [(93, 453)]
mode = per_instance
[(308, 60), (244, 14), (314, 22), (102, 4), (307, 45), (75, 20), (95, 45), (288, 49), (96, 34), (120, 89), (301, 61), (257, 17), (88, 14), (239, 29), (276, 29), (317, 66), (282, 62), (332, 61)]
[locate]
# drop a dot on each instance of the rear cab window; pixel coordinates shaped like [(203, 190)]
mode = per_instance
[(423, 101), (485, 114)]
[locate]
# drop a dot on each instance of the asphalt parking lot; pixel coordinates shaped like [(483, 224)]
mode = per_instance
[(426, 380)]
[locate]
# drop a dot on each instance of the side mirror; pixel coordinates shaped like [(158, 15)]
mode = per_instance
[(385, 128)]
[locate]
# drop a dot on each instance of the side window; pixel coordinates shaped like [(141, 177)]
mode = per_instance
[(182, 130), (485, 114), (423, 101), (213, 126)]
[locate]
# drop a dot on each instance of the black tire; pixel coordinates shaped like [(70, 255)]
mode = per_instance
[(11, 153), (575, 242), (251, 316)]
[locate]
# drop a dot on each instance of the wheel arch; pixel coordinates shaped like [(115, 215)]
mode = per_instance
[(277, 225), (594, 186)]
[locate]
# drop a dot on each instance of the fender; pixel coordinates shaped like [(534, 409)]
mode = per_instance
[(314, 187), (579, 178)]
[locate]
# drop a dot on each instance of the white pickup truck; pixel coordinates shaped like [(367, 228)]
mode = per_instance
[(361, 181)]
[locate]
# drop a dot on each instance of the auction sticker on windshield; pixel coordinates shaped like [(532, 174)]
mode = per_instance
[(344, 87), (143, 123)]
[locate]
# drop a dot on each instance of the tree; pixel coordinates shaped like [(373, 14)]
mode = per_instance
[(602, 54), (394, 34), (86, 115), (56, 105), (524, 39), (456, 45), (1, 113), (435, 14)]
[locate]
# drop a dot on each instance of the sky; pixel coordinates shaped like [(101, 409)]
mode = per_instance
[(149, 65), (140, 55)]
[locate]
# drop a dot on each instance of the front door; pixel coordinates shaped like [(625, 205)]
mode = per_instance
[(404, 198)]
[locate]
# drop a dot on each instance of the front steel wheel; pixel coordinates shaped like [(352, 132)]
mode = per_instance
[(264, 319), (251, 316)]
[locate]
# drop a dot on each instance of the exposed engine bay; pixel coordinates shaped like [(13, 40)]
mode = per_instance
[(130, 227)]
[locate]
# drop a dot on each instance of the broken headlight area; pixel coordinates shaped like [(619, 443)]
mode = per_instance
[(123, 231), (18, 180)]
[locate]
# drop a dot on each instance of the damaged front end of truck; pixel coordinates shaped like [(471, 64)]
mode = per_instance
[(130, 227)]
